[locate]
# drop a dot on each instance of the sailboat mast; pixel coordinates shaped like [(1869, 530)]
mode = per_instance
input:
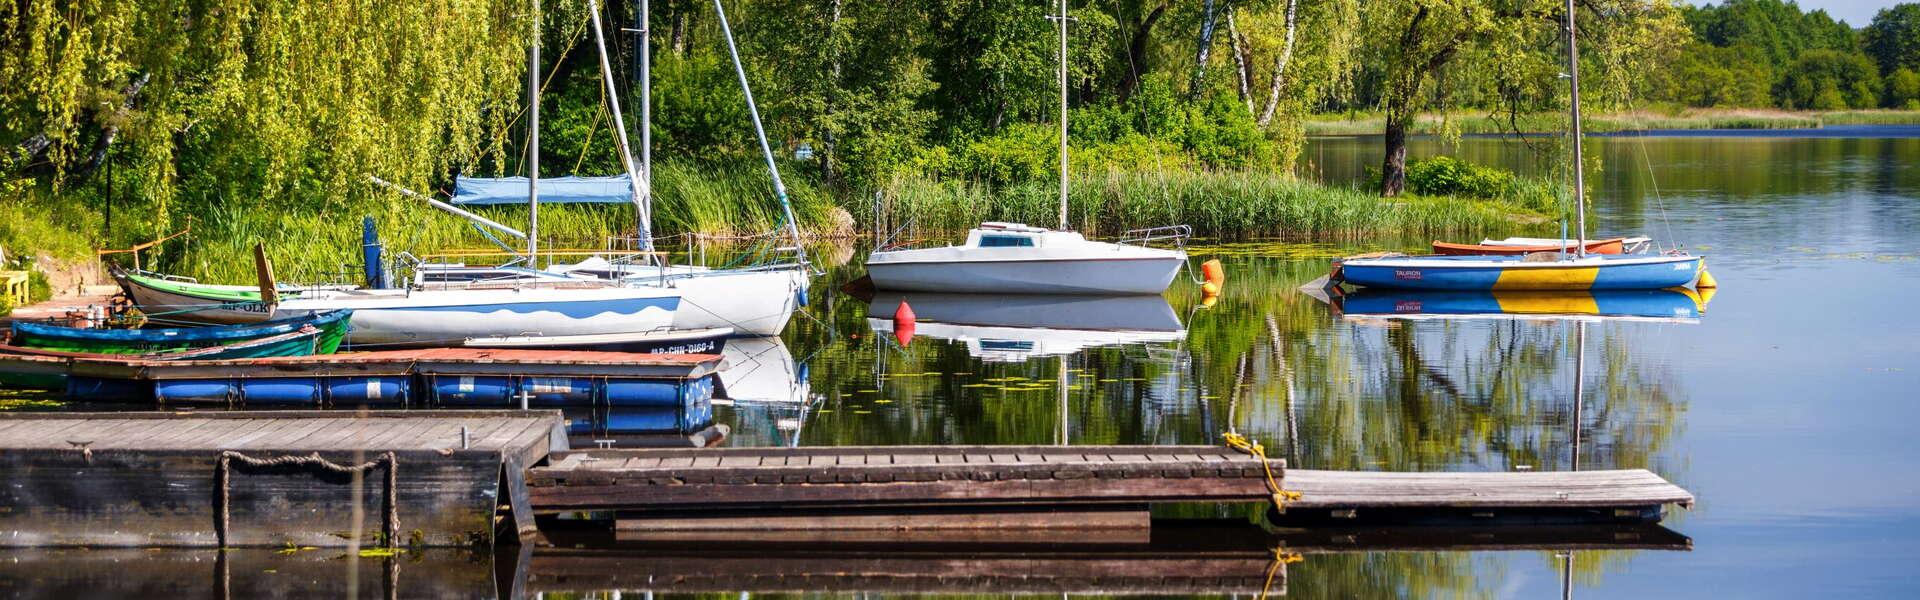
[(753, 111), (1579, 166), (644, 20), (1063, 115), (533, 142), (641, 195)]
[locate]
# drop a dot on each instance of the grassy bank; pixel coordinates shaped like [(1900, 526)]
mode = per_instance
[(1371, 123), (1216, 204), (313, 245)]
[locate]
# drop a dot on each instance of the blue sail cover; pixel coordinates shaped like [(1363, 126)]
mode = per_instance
[(614, 189)]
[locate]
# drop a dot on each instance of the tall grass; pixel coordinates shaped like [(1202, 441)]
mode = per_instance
[(1216, 204)]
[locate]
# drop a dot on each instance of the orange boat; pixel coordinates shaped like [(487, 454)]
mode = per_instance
[(1606, 246)]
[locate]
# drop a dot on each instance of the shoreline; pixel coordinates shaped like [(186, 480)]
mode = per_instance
[(1613, 124)]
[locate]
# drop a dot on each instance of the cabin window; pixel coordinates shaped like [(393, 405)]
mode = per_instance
[(1004, 241)]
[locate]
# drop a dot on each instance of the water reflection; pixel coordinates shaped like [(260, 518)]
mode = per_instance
[(1015, 328), (1676, 305)]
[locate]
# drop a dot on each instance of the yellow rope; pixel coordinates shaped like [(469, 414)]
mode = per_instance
[(1243, 444), (1280, 557)]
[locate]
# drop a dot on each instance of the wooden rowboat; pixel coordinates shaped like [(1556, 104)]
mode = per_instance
[(1606, 246)]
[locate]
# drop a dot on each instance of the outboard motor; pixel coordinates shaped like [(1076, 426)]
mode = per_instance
[(371, 252)]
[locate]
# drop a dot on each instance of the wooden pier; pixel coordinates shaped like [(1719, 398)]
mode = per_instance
[(454, 478), (244, 478)]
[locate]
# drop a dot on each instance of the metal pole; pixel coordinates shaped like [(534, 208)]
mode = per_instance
[(640, 193), (646, 105), (1579, 385), (779, 187), (1579, 179), (533, 142), (1063, 115)]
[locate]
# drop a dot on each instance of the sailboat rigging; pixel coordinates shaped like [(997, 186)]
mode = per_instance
[(1015, 258), (1560, 267)]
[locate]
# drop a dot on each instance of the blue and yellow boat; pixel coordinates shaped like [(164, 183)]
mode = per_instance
[(1593, 272)]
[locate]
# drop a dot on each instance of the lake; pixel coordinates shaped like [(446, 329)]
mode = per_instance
[(1788, 407), (1785, 404)]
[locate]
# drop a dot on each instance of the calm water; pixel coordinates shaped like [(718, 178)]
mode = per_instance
[(1787, 408)]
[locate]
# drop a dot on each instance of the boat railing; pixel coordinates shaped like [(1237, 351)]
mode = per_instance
[(1174, 234)]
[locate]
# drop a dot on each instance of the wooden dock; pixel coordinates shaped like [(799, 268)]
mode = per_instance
[(455, 478), (740, 488), (165, 479)]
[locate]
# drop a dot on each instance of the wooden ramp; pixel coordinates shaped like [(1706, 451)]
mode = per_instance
[(683, 484), (160, 479)]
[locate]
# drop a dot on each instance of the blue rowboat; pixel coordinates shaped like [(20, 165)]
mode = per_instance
[(1679, 305), (332, 326), (1504, 273)]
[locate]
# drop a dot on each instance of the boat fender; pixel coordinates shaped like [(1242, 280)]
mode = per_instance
[(1214, 272)]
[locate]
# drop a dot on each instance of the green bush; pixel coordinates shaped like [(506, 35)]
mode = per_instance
[(1448, 176)]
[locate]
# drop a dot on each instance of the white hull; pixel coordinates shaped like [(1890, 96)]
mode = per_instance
[(449, 317), (753, 302), (1038, 276), (1009, 258)]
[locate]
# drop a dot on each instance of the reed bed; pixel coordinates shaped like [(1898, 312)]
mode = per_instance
[(1231, 204)]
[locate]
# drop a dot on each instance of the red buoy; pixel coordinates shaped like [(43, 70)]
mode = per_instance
[(903, 324)]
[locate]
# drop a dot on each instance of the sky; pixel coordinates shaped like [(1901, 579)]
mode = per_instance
[(1857, 13)]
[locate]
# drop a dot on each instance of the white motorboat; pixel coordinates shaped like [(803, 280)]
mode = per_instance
[(1011, 258)]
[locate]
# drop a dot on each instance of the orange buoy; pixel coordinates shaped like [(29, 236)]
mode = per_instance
[(1213, 272), (1208, 288), (903, 324)]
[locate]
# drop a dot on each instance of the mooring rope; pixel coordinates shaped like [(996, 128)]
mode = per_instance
[(223, 468), (1243, 444), (1281, 557)]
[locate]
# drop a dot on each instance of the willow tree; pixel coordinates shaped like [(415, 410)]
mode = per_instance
[(1512, 46), (256, 105)]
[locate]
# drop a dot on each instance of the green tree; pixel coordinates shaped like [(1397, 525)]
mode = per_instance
[(1903, 89), (1705, 75), (1893, 39), (1829, 80), (1776, 28), (1510, 46)]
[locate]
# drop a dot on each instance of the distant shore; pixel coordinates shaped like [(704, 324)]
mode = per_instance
[(1481, 122)]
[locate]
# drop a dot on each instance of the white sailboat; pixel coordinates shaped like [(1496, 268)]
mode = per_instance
[(1014, 258), (754, 301)]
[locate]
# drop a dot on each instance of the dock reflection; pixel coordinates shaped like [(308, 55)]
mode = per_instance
[(1177, 558)]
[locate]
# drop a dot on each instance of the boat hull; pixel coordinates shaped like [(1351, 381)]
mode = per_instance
[(1610, 246), (753, 303), (1077, 276), (1675, 305), (332, 328), (175, 302), (1476, 273), (394, 318)]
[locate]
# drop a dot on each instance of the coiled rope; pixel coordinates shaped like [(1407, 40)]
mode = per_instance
[(223, 469), (1243, 444)]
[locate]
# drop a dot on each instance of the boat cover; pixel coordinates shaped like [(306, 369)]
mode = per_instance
[(612, 189)]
